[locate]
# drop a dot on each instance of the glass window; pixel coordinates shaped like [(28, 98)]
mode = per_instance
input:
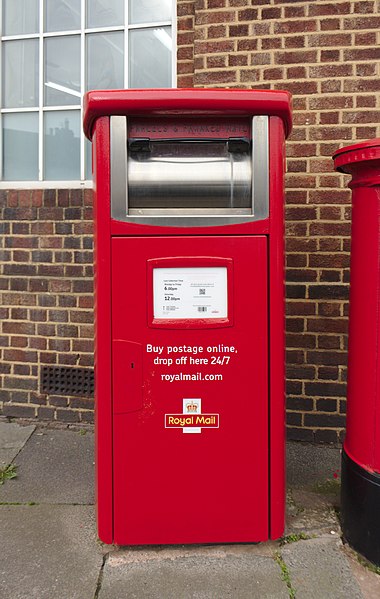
[(105, 60), (62, 145), (105, 13), (62, 15), (149, 11), (20, 73), (52, 52), (62, 70), (150, 57), (20, 17), (20, 146)]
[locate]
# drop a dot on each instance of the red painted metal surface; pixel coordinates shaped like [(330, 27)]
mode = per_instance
[(103, 377), (362, 443), (140, 102), (173, 487), (239, 465), (276, 319)]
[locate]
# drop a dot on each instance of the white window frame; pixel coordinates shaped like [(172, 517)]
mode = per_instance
[(41, 109)]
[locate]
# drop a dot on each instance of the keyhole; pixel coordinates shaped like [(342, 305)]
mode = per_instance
[(132, 365)]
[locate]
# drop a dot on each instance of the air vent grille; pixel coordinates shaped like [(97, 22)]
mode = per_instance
[(59, 380)]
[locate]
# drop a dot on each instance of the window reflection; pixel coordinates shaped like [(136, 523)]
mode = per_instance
[(62, 71), (62, 145), (20, 147), (20, 16), (20, 83), (62, 15), (105, 13), (105, 61), (149, 11), (150, 57)]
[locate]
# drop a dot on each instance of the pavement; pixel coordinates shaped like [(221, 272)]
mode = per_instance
[(49, 546)]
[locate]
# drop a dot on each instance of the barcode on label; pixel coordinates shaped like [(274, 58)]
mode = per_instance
[(202, 308)]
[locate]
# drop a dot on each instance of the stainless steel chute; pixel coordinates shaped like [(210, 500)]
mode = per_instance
[(189, 182), (189, 175)]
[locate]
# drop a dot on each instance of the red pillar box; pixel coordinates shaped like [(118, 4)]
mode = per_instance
[(361, 453), (189, 313)]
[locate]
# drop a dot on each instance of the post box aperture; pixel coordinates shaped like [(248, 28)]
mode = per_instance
[(189, 314), (165, 168)]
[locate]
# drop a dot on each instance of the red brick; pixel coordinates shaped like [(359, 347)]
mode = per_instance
[(331, 71), (360, 117), (248, 14), (329, 118), (215, 17), (372, 22), (297, 26), (304, 87), (216, 4), (271, 13), (247, 45), (365, 70), (270, 43), (215, 62), (367, 38), (216, 31), (235, 60), (295, 41), (238, 30), (206, 47), (364, 7), (210, 77), (318, 9), (295, 57), (329, 39), (355, 54), (329, 24)]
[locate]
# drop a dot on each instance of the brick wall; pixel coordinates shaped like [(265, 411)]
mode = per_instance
[(46, 299), (326, 54)]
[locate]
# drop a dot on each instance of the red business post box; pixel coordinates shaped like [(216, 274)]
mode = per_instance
[(189, 313), (361, 451)]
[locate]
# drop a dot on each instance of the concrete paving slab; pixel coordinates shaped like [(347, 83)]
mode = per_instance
[(191, 574), (308, 464), (311, 514), (55, 466), (318, 568), (48, 551), (369, 582), (12, 439)]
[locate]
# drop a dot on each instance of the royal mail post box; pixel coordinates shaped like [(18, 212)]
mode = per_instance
[(189, 313), (361, 451)]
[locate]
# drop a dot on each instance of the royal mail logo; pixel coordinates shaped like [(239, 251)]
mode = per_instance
[(192, 420)]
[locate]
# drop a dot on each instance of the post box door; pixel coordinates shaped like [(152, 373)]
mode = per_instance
[(190, 391)]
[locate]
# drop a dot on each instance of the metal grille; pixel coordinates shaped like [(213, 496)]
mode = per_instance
[(59, 380)]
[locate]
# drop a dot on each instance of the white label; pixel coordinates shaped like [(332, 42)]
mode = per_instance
[(190, 292)]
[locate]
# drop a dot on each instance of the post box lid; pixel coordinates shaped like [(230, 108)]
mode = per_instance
[(346, 157), (238, 102)]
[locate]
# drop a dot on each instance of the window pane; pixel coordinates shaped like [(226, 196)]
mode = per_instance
[(149, 11), (150, 55), (88, 159), (105, 13), (105, 60), (20, 147), (62, 15), (62, 145), (62, 70), (20, 64), (20, 16)]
